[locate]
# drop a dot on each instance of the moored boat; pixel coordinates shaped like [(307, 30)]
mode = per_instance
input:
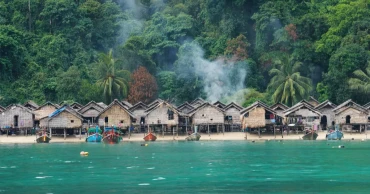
[(44, 138), (150, 137), (334, 135), (94, 135), (111, 135), (310, 135)]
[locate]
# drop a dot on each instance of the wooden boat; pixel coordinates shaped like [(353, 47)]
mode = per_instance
[(44, 138), (193, 137), (334, 135), (111, 135), (150, 137), (94, 135), (310, 135)]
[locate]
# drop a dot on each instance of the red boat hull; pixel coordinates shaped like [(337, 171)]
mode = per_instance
[(150, 137)]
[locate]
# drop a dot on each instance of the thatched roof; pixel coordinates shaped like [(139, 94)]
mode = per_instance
[(139, 105), (76, 105), (11, 106), (313, 100), (48, 103), (191, 113), (65, 108), (127, 104), (161, 104), (232, 104), (300, 105), (324, 104), (116, 102), (102, 104), (219, 104), (198, 102), (349, 103), (367, 105), (2, 108), (257, 104), (361, 109), (185, 106), (89, 106), (155, 103), (279, 105), (31, 105)]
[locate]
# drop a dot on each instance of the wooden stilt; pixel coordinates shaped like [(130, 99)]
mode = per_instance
[(80, 133), (223, 129), (282, 131), (173, 132), (208, 131), (274, 132), (177, 130), (65, 133), (259, 132), (50, 132), (162, 131)]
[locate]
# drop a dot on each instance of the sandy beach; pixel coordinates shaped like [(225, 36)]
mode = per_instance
[(232, 136)]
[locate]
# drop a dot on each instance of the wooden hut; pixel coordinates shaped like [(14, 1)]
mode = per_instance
[(116, 114), (90, 113), (17, 118), (328, 116), (313, 101), (44, 111), (219, 104), (197, 102), (184, 120), (258, 115), (208, 118), (351, 116), (302, 115), (31, 105), (232, 117), (76, 106), (63, 121), (279, 108), (164, 116), (138, 110)]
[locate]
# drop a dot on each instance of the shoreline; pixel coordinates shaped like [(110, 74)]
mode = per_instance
[(228, 136)]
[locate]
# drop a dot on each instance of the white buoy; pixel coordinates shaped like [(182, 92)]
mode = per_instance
[(341, 146)]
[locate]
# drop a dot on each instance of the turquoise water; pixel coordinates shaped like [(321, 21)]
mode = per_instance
[(187, 167)]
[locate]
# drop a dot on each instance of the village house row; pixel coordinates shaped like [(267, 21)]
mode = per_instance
[(164, 117)]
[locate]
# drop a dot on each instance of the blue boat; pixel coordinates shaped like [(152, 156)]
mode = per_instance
[(94, 135), (334, 135)]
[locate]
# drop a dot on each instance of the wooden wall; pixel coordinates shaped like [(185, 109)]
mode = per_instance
[(235, 113), (139, 112), (255, 119), (206, 113), (62, 120), (356, 116), (115, 115), (160, 113), (25, 118)]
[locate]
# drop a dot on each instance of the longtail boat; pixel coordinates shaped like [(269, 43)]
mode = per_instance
[(94, 135), (150, 137), (310, 135), (334, 135), (44, 138), (112, 135)]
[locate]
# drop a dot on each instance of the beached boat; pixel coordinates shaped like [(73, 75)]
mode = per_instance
[(193, 137), (334, 135), (310, 135), (150, 137), (94, 135), (44, 138), (112, 135)]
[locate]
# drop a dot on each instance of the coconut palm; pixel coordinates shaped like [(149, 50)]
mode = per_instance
[(287, 84), (361, 81), (112, 81)]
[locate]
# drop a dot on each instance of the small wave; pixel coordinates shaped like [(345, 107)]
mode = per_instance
[(3, 167), (41, 173), (67, 161), (40, 177), (144, 184), (90, 167), (151, 168), (13, 167), (136, 157), (158, 179), (208, 174), (152, 157)]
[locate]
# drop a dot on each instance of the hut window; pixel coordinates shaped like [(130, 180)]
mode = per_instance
[(134, 120), (16, 120), (121, 121), (246, 114), (106, 119), (228, 118), (368, 119), (72, 121), (170, 114)]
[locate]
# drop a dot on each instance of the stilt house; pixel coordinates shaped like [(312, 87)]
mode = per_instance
[(17, 117), (351, 116), (31, 105), (328, 116), (232, 117), (163, 117), (301, 115), (90, 113), (258, 115), (116, 114), (208, 117)]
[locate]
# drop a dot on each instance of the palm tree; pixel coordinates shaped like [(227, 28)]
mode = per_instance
[(361, 81), (113, 82), (287, 83)]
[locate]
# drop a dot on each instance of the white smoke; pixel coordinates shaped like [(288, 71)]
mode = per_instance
[(220, 78)]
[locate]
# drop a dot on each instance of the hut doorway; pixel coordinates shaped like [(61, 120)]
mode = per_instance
[(324, 122), (348, 119), (16, 121)]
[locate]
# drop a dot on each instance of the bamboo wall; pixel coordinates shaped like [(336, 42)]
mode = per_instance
[(62, 120), (255, 119), (139, 112), (25, 118), (92, 113), (235, 113), (356, 116), (330, 116), (160, 113), (115, 115), (206, 113), (304, 112), (44, 111)]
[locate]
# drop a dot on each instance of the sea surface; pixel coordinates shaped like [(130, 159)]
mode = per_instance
[(187, 167)]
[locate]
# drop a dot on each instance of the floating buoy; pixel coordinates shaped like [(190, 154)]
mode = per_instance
[(144, 144), (341, 146), (82, 153)]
